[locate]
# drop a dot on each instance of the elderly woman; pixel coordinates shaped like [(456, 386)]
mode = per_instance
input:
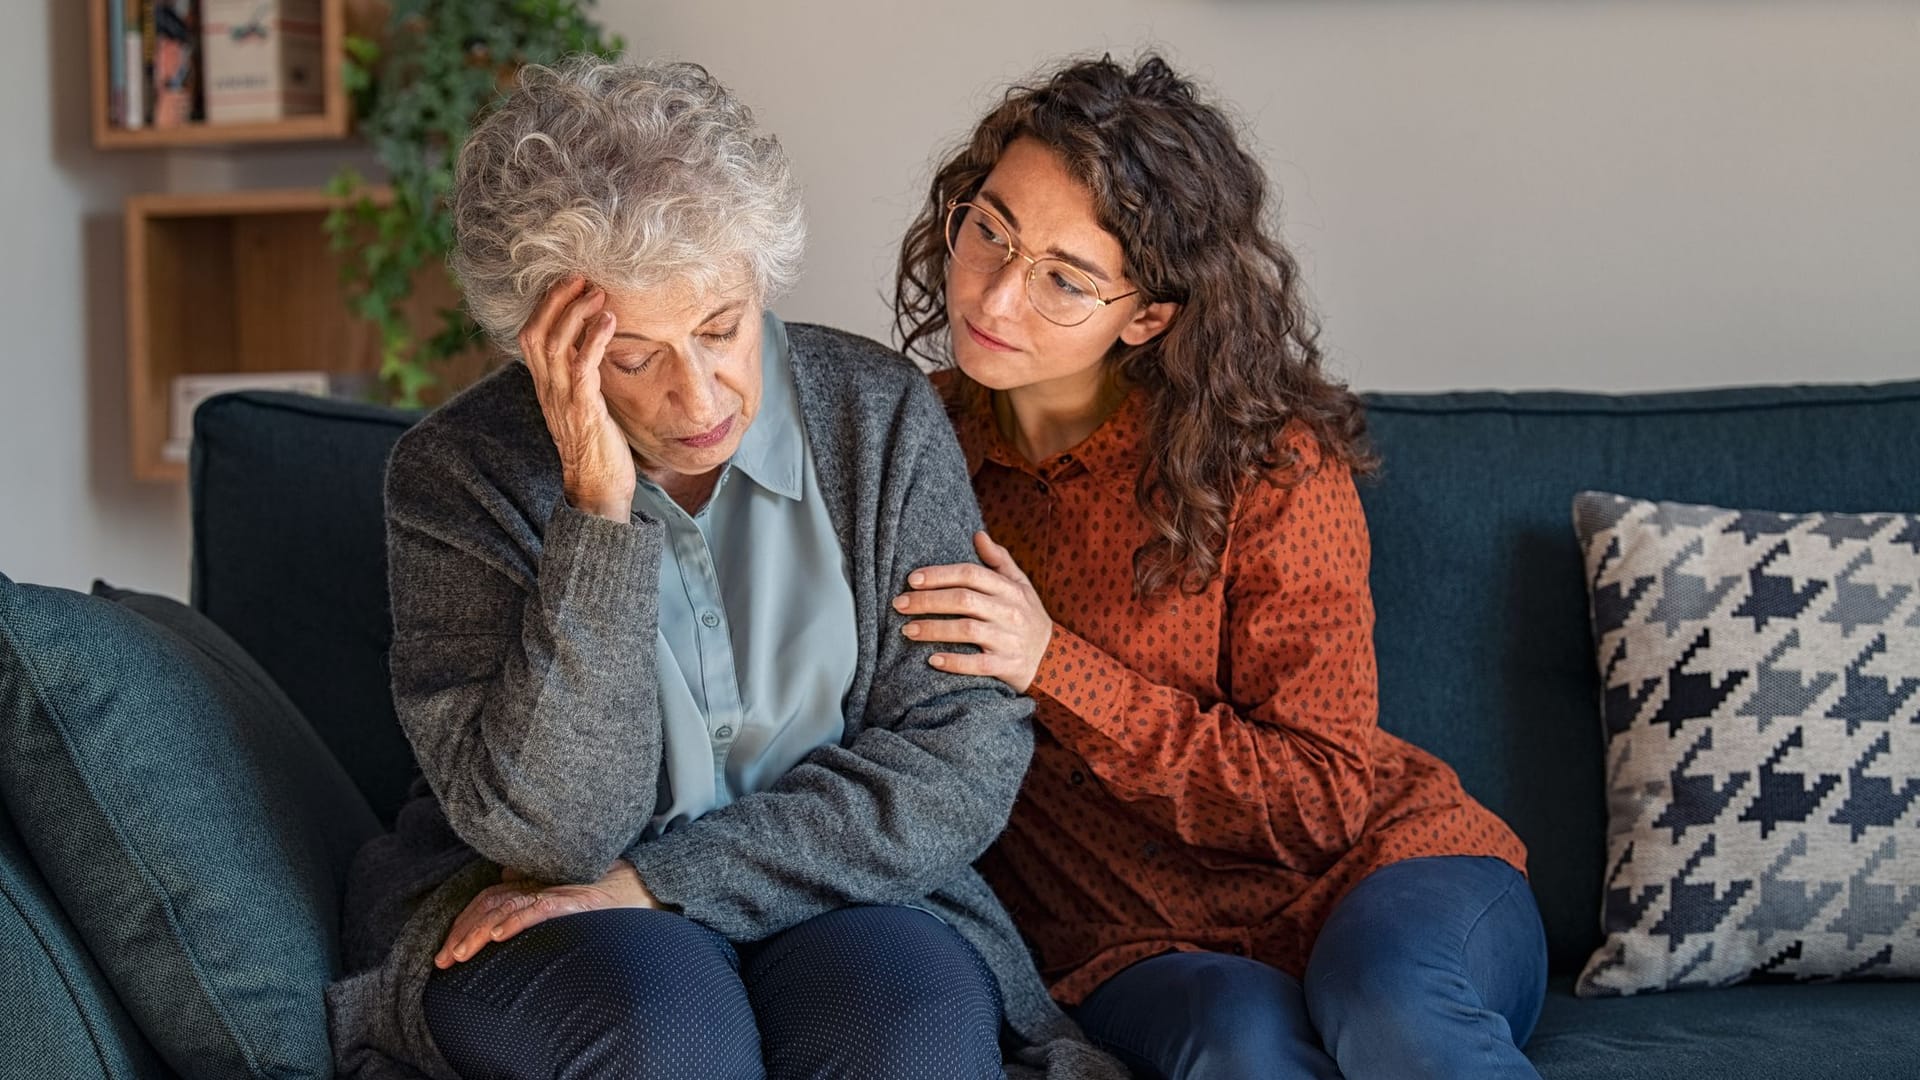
[(692, 805)]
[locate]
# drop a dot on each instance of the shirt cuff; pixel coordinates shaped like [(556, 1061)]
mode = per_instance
[(601, 568), (1081, 678), (671, 873)]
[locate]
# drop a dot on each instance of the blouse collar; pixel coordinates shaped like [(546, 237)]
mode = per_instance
[(1112, 451)]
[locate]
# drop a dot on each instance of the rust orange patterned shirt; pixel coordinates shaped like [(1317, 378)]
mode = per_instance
[(1208, 771)]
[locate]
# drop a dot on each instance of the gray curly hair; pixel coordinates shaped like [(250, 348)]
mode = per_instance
[(636, 176)]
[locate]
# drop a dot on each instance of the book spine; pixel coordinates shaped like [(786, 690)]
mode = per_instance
[(133, 116), (148, 40), (116, 62), (129, 63), (173, 64)]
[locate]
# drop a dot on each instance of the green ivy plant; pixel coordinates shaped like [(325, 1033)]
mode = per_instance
[(416, 94)]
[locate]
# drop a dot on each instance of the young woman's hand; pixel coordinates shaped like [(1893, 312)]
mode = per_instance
[(518, 902), (999, 611), (564, 341)]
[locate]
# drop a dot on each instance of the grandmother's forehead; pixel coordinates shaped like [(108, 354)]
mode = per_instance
[(674, 303)]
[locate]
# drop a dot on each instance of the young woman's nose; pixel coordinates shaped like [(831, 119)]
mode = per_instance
[(1006, 292)]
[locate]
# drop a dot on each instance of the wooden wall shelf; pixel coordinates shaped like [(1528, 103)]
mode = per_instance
[(333, 123), (245, 281)]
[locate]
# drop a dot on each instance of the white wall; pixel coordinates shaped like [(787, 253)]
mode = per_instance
[(1510, 193), (1504, 193), (68, 509)]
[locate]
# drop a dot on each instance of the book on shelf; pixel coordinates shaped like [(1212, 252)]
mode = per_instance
[(116, 61), (263, 60), (176, 79), (175, 62), (148, 33), (151, 46), (131, 45)]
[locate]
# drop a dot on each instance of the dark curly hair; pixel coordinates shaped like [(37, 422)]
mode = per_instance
[(1238, 362)]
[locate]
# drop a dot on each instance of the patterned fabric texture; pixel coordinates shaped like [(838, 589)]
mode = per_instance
[(1207, 774), (1761, 697)]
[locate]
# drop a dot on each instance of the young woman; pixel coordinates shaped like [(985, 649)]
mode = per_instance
[(1223, 863)]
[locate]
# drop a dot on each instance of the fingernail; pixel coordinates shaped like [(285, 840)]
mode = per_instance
[(900, 602), (917, 579), (937, 660), (911, 629)]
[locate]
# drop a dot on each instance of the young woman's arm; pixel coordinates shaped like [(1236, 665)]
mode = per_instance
[(1284, 766), (1280, 768)]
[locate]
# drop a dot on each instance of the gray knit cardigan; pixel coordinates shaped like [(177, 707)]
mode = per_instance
[(523, 673)]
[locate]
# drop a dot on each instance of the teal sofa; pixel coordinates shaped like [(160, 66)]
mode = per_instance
[(1483, 641)]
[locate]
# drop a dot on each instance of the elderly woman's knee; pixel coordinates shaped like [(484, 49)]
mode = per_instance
[(620, 984), (901, 992)]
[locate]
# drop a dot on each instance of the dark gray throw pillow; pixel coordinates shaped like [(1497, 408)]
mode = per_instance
[(193, 828)]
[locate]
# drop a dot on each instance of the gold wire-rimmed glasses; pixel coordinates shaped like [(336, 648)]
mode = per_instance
[(1062, 293)]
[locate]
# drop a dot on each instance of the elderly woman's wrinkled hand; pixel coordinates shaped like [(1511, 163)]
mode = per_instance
[(998, 610), (518, 902), (564, 342)]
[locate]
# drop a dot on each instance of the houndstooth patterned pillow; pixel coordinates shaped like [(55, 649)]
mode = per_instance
[(1760, 679)]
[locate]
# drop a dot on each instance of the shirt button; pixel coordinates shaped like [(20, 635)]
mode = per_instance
[(723, 732), (1066, 459), (1041, 485), (1150, 850), (709, 619), (1077, 778)]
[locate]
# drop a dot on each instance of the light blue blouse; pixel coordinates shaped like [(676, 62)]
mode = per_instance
[(757, 632)]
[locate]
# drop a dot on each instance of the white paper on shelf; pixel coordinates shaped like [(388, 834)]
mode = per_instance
[(190, 390)]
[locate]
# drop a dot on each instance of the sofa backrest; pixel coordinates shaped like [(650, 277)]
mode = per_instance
[(290, 558), (1485, 653)]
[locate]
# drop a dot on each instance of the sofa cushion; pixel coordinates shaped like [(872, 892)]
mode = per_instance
[(1751, 1032), (290, 558), (193, 828), (1485, 653), (1761, 677), (58, 1014)]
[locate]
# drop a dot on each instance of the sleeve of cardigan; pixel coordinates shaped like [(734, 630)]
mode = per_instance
[(1283, 768), (915, 796), (521, 665)]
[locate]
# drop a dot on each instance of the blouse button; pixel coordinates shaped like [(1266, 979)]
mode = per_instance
[(1077, 778), (709, 619), (1041, 485)]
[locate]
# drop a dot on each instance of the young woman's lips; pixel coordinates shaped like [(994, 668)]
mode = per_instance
[(988, 341), (710, 438)]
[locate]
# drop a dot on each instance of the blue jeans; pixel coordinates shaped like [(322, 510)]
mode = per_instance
[(864, 993), (1430, 967)]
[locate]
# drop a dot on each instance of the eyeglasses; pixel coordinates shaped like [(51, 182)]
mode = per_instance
[(1063, 294)]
